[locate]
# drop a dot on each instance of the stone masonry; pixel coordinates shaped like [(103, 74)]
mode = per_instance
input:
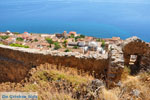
[(16, 62)]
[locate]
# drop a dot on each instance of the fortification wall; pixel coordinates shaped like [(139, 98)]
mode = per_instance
[(16, 62)]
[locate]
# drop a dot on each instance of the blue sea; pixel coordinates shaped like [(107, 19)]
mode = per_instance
[(99, 18)]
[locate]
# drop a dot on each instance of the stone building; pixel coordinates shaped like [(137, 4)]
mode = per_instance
[(122, 54)]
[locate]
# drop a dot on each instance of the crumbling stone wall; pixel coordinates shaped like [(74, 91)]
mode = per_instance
[(134, 46), (11, 70), (116, 65), (145, 61), (119, 57), (16, 62)]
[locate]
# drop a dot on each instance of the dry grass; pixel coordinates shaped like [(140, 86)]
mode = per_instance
[(107, 95), (52, 83), (64, 83), (140, 82)]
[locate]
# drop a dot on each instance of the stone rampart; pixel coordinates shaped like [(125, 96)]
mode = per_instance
[(16, 62)]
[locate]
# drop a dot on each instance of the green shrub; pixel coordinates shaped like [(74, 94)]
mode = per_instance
[(65, 43), (82, 36), (4, 37), (98, 40), (76, 38), (67, 50), (50, 41), (18, 45), (75, 47), (72, 36), (103, 44), (20, 39), (57, 46), (16, 33), (35, 40)]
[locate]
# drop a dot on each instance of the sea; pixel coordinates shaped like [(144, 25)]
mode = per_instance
[(98, 18)]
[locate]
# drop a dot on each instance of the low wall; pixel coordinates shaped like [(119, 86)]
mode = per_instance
[(16, 62)]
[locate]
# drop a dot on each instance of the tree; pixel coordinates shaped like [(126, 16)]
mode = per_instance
[(65, 43), (57, 46), (98, 40), (76, 38), (35, 40), (67, 50), (20, 39), (82, 36), (103, 44), (4, 37), (16, 33), (50, 41), (72, 36), (75, 47)]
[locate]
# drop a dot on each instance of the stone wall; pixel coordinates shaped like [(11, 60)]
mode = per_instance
[(16, 62), (12, 70), (134, 46), (116, 65)]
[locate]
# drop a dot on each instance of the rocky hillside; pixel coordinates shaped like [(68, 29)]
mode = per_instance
[(63, 83)]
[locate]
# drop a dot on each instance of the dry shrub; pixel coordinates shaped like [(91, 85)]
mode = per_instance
[(126, 72), (135, 83), (63, 83), (52, 83), (107, 95)]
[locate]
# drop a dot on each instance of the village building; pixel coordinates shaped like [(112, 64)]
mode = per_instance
[(2, 34), (58, 35), (70, 40), (112, 40), (65, 35), (72, 43), (6, 33), (45, 44), (9, 33), (55, 39), (9, 41), (88, 38), (73, 33), (60, 40), (25, 35), (81, 44), (93, 46), (46, 35)]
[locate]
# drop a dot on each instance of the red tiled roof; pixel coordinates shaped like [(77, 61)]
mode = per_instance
[(25, 32), (72, 32)]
